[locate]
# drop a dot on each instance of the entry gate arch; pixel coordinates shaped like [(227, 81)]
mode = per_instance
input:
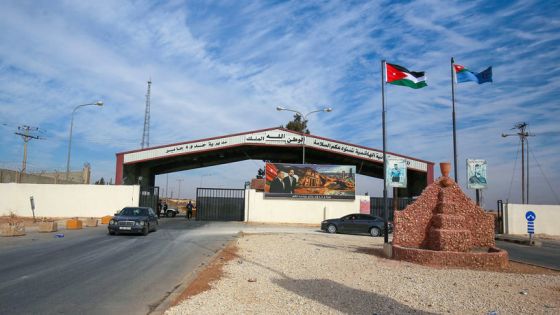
[(274, 144)]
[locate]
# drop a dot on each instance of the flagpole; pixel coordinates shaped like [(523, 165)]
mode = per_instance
[(454, 124), (385, 211)]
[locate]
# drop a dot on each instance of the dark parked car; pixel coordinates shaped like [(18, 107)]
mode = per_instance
[(134, 220), (356, 223)]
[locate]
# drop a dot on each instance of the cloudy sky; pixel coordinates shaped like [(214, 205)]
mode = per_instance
[(222, 67)]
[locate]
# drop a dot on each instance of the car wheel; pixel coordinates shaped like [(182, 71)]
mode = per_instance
[(111, 232), (174, 214), (169, 214), (331, 228), (146, 230), (375, 232)]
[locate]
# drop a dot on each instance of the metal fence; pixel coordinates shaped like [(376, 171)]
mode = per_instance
[(149, 197), (376, 206), (220, 204)]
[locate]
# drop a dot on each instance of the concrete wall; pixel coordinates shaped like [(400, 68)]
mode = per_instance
[(9, 176), (276, 210), (547, 221), (66, 200)]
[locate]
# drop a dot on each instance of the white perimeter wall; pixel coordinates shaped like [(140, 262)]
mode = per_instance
[(278, 210), (66, 200), (547, 221)]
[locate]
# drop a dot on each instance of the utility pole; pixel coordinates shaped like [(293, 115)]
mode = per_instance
[(146, 132), (523, 134), (179, 192), (24, 132), (166, 185)]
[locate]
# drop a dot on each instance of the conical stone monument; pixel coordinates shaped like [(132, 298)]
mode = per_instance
[(444, 227)]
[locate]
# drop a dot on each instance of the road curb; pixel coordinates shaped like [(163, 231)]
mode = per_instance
[(532, 264), (167, 302), (522, 241)]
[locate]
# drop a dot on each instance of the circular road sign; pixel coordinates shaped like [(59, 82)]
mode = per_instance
[(530, 216)]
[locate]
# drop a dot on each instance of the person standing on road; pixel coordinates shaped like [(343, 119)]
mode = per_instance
[(164, 207), (189, 210), (159, 206)]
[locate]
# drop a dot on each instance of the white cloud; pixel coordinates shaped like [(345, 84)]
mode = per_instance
[(219, 68)]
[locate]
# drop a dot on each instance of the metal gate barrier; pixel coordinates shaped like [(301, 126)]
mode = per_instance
[(499, 223), (376, 206), (149, 197), (220, 204)]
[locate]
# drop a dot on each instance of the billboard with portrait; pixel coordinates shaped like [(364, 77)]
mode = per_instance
[(396, 173), (476, 174), (310, 181)]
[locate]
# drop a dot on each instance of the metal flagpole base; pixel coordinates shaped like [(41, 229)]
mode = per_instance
[(388, 250)]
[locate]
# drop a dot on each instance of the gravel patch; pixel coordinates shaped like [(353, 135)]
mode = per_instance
[(345, 274)]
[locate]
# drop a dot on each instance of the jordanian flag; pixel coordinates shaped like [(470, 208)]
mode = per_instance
[(402, 76)]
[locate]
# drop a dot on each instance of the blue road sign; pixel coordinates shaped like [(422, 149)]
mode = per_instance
[(530, 216)]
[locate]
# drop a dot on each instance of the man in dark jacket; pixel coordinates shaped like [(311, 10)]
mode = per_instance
[(164, 208), (277, 185), (189, 210), (290, 182)]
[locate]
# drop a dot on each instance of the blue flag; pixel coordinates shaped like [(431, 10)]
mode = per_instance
[(465, 75)]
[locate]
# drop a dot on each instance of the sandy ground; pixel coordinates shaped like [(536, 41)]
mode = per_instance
[(346, 274)]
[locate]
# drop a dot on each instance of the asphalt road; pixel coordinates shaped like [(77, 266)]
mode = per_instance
[(90, 272), (548, 255)]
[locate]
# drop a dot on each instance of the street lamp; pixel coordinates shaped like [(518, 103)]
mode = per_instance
[(98, 103), (326, 109)]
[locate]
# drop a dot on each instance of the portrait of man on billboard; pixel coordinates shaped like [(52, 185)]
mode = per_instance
[(310, 181), (476, 173), (396, 173)]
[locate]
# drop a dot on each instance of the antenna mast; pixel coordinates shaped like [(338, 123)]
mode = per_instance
[(146, 133)]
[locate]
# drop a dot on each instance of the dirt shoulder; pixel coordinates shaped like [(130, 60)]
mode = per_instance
[(321, 273)]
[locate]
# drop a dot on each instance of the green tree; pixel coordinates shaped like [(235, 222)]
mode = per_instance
[(100, 182), (298, 124)]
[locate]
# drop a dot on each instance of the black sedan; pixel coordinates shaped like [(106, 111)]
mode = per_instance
[(134, 220), (356, 223)]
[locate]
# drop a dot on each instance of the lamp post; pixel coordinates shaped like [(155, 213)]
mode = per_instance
[(326, 109), (98, 103)]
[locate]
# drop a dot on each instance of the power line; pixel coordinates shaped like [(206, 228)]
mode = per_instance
[(545, 178)]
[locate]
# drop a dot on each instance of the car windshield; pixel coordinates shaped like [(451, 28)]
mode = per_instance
[(134, 212)]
